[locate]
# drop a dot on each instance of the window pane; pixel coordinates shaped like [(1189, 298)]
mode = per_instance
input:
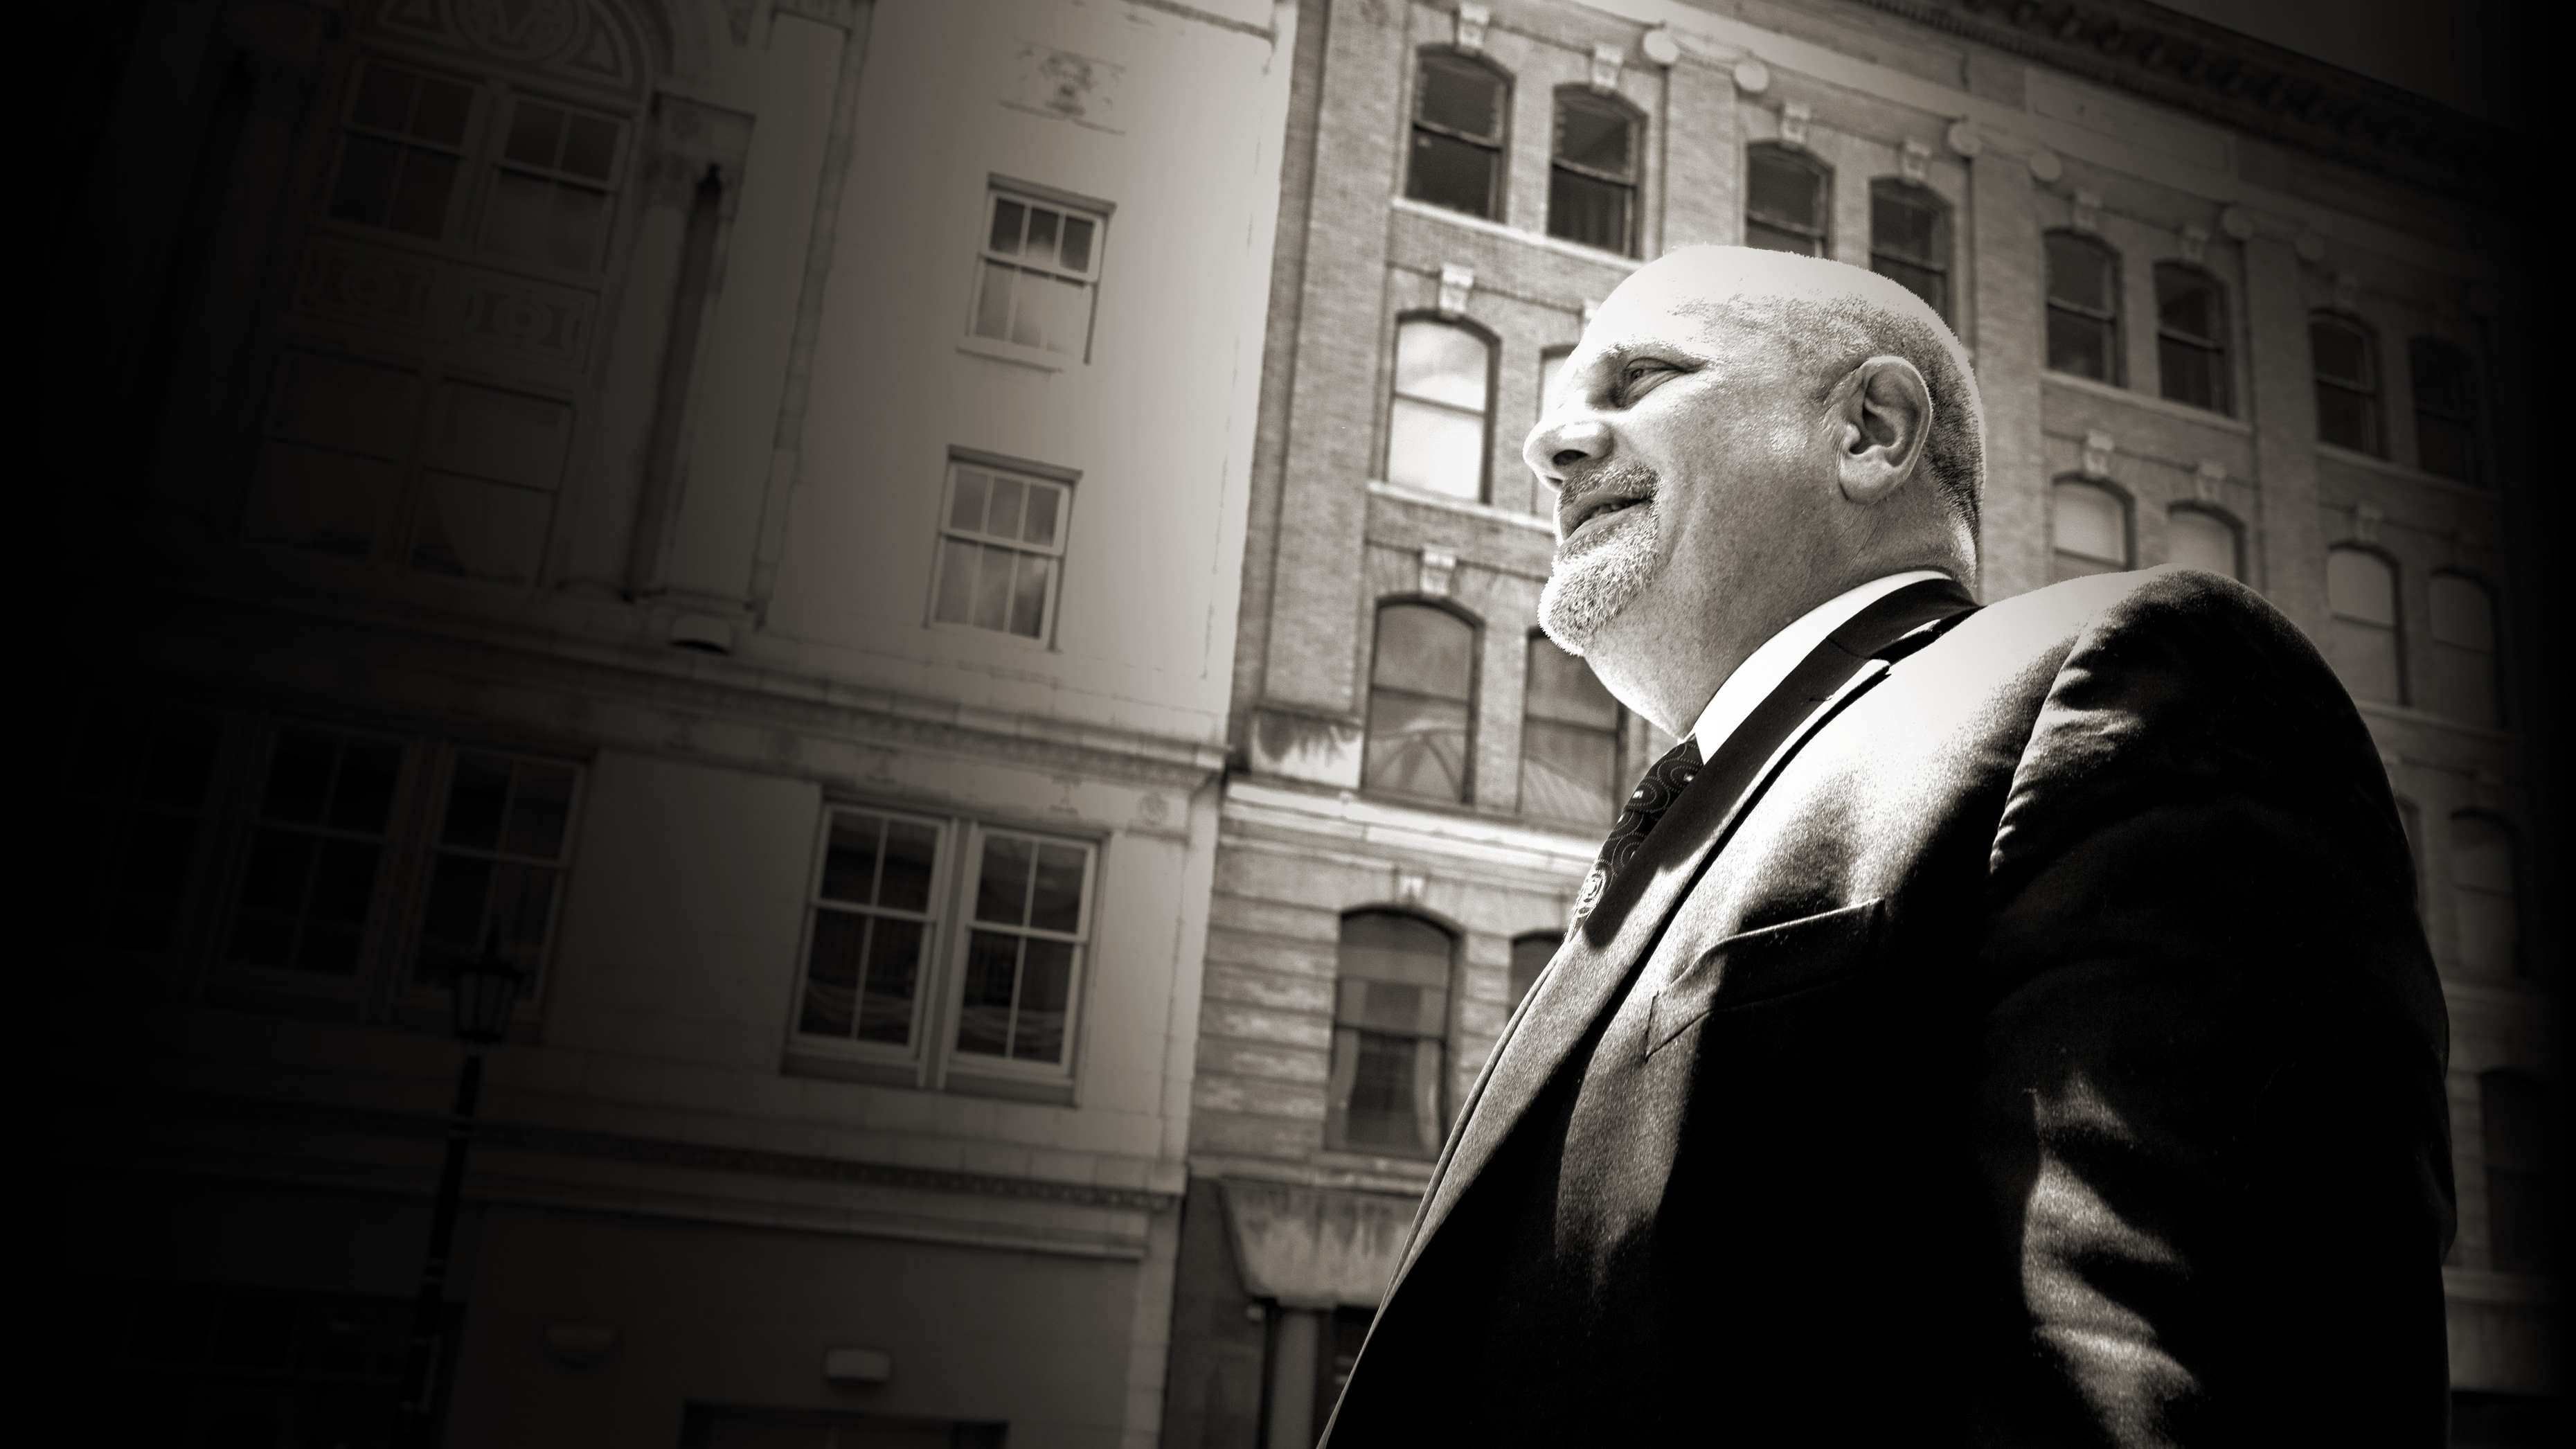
[(1932, 286), (2091, 522), (355, 407), (1460, 95), (508, 437), (1773, 239), (1055, 902), (956, 581), (1003, 521), (540, 808), (2481, 853), (2079, 273), (1009, 217), (1046, 985), (1390, 1006), (2342, 353), (2446, 446), (993, 302), (1440, 363), (966, 504), (2365, 658), (850, 859), (442, 112), (2463, 612), (2464, 685), (1002, 889), (590, 147), (1452, 173), (1424, 650), (2360, 585), (1380, 946), (1029, 594), (1436, 449), (536, 133), (2347, 419), (1907, 224), (420, 194), (1592, 212), (451, 921), (1530, 955), (384, 98), (2197, 540), (1382, 1093), (2079, 344), (478, 794), (364, 189), (1563, 688), (1417, 746), (575, 226), (1569, 773), (910, 846), (1075, 255), (984, 1011), (362, 794), (1783, 190), (274, 881), (2190, 373), (1041, 238), (2187, 302), (1594, 134), (993, 587), (2441, 377), (335, 911), (489, 532), (894, 976), (832, 974), (1040, 527)]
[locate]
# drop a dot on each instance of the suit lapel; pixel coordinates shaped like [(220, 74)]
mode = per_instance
[(1591, 969)]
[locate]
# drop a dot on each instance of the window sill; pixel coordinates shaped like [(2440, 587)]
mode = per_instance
[(804, 1061), (1036, 358), (1399, 492), (1008, 1089), (1577, 250), (2151, 403), (1405, 1169), (2416, 476)]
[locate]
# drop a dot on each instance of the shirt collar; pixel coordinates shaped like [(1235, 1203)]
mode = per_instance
[(1764, 669)]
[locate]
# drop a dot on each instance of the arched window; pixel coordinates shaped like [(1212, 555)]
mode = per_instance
[(2464, 650), (2520, 1134), (466, 237), (1530, 955), (2089, 529), (2483, 895), (2083, 307), (2346, 358), (1390, 1028), (2361, 630), (2191, 336), (1909, 239), (2196, 538), (1569, 740), (1437, 429), (2446, 410), (1785, 208), (1421, 703), (1592, 178), (1459, 103)]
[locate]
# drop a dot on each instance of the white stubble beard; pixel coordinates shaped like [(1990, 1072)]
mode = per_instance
[(1596, 578)]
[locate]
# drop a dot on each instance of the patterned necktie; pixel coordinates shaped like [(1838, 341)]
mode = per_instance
[(1654, 795)]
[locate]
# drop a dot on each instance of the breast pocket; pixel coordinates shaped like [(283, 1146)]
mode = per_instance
[(1761, 965)]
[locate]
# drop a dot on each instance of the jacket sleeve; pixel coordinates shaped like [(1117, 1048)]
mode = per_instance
[(2208, 1121)]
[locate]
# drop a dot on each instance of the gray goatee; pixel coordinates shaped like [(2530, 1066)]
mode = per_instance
[(1597, 576)]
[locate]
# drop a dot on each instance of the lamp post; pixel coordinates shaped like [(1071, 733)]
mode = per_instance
[(483, 990)]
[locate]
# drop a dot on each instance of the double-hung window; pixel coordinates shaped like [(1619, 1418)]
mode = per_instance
[(1458, 107), (1784, 200), (1038, 275), (2346, 358), (2083, 307), (944, 952), (1909, 240), (2446, 413), (497, 865), (1592, 175), (142, 779), (2191, 337), (1001, 550)]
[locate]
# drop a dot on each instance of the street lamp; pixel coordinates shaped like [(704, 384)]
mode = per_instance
[(483, 990)]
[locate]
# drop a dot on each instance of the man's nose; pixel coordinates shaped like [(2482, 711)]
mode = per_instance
[(1556, 445)]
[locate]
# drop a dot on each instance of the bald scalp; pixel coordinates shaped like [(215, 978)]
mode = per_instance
[(1830, 317)]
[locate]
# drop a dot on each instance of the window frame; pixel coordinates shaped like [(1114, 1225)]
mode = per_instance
[(1631, 186), (2115, 346), (1944, 236), (2466, 419), (2519, 964), (999, 188), (2396, 626), (2229, 521), (212, 823), (2372, 392), (1337, 1126), (2216, 346), (997, 1075), (1498, 147), (2499, 696), (936, 921), (1620, 773), (1475, 693), (1493, 368), (2121, 499), (944, 529), (439, 784), (1819, 171)]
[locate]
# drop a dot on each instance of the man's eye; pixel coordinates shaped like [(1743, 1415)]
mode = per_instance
[(1639, 372)]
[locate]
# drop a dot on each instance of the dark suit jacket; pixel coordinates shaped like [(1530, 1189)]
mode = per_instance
[(2046, 1053)]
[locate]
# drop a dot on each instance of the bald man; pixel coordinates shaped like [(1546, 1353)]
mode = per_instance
[(1992, 1027)]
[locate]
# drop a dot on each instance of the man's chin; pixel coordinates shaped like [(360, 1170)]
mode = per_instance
[(1581, 601)]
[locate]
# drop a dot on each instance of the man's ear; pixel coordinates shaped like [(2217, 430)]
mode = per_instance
[(1884, 417)]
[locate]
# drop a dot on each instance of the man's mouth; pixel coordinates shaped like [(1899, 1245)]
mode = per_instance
[(1599, 508)]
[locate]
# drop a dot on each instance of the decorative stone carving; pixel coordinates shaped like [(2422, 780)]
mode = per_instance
[(388, 289), (1793, 123), (2087, 213), (1964, 138), (2097, 454), (1455, 283), (1068, 87), (2347, 290), (1752, 77), (1661, 45), (2237, 222), (2195, 244), (1439, 565), (2044, 164), (1914, 160), (1472, 20), (2366, 518), (1409, 886), (2207, 480), (1606, 60)]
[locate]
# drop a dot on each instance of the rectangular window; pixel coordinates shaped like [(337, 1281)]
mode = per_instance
[(402, 144), (142, 775), (313, 873), (496, 869), (552, 187), (1023, 951), (1001, 550), (1040, 264), (1909, 240), (870, 925)]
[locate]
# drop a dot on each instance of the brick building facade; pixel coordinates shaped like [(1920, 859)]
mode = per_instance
[(647, 487), (2229, 307)]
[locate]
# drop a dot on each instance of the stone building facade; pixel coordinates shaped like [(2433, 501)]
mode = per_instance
[(2229, 308), (652, 489)]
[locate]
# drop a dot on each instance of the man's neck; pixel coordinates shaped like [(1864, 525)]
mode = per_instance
[(1762, 670)]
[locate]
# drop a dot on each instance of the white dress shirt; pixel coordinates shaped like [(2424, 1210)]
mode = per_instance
[(1764, 669)]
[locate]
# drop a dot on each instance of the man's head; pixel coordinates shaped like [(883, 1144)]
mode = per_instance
[(1741, 436)]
